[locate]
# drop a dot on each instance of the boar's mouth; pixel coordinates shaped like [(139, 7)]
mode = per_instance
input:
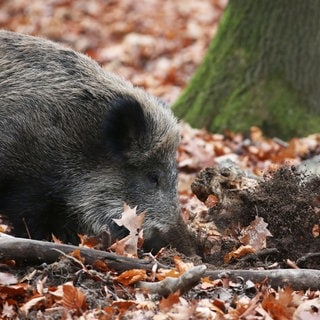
[(171, 231), (177, 237)]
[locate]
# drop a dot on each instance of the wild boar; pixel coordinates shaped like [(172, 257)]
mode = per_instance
[(77, 142)]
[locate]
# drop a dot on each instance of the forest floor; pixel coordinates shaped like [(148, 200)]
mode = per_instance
[(246, 198)]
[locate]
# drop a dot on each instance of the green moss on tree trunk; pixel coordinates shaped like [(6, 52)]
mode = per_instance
[(262, 68)]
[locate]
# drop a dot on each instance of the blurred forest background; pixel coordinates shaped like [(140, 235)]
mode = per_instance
[(155, 44)]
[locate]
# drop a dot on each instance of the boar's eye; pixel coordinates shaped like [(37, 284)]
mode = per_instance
[(154, 178)]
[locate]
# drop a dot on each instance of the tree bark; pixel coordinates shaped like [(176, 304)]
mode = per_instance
[(262, 69)]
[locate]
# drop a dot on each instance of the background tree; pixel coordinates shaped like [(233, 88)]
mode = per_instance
[(262, 68)]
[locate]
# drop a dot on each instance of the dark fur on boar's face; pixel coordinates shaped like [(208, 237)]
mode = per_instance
[(76, 143)]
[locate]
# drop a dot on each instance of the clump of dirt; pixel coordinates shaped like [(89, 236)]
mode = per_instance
[(288, 201)]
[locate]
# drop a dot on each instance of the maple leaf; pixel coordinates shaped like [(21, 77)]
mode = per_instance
[(133, 222), (8, 311), (130, 220), (255, 234)]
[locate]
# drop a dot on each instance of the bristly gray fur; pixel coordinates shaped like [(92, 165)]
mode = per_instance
[(76, 142)]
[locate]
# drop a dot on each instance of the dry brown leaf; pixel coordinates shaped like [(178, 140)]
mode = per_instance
[(181, 266), (9, 263), (8, 311), (40, 285), (55, 239), (37, 301), (77, 255), (255, 235), (131, 276), (13, 290), (128, 245), (124, 305), (57, 293), (316, 230), (212, 201), (73, 298), (207, 283), (166, 304), (4, 228), (164, 273), (131, 220), (238, 253), (219, 304), (285, 296), (275, 308), (119, 247), (101, 265), (89, 241)]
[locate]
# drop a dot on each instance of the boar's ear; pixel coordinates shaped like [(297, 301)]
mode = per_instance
[(124, 126)]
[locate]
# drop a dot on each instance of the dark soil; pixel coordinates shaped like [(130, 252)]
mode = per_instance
[(286, 199)]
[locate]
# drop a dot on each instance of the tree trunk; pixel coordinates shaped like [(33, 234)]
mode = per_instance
[(262, 69)]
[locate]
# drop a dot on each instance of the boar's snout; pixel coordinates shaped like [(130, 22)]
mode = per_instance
[(176, 234)]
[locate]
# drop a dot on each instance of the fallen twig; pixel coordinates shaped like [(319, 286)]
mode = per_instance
[(169, 285), (297, 279), (26, 251)]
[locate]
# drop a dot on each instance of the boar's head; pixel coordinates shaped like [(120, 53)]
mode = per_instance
[(137, 166)]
